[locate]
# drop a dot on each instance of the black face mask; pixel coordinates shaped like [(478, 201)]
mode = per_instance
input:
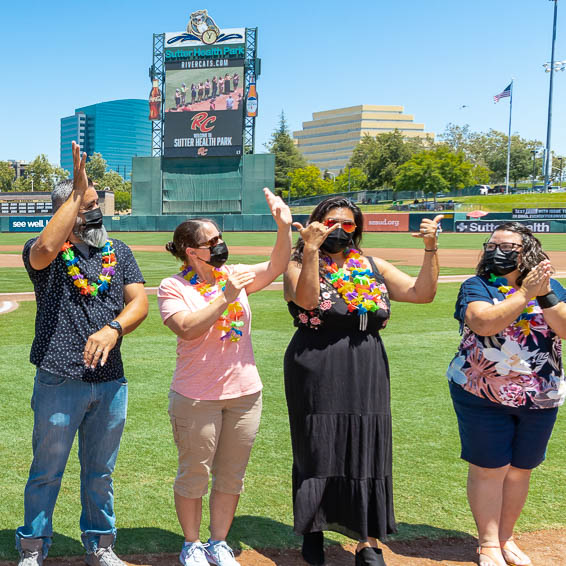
[(93, 218), (218, 255), (336, 241), (501, 263)]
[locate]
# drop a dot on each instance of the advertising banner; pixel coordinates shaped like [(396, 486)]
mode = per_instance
[(488, 226), (539, 213), (374, 222), (28, 224)]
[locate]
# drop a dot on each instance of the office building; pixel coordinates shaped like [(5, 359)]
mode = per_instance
[(118, 130), (329, 139)]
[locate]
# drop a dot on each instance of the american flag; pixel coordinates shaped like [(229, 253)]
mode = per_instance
[(504, 94)]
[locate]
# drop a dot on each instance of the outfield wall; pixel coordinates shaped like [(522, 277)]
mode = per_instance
[(374, 222)]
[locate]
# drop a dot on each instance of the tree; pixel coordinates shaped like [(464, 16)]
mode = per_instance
[(438, 170), (353, 179), (122, 200), (287, 156), (381, 156), (457, 138), (113, 181), (7, 175), (306, 181), (421, 173), (490, 150), (96, 167), (40, 176)]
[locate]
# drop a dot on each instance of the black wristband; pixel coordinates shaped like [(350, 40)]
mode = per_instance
[(547, 301), (433, 250)]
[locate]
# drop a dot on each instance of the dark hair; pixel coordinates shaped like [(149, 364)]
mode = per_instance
[(320, 212), (531, 254), (187, 235)]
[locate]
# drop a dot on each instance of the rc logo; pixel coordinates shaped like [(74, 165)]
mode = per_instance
[(203, 122), (202, 151)]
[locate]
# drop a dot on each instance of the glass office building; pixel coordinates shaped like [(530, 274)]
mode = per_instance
[(118, 129)]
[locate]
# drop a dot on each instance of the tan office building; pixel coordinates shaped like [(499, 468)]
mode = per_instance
[(329, 139)]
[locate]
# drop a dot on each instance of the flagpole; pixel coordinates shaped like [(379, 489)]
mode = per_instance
[(509, 140)]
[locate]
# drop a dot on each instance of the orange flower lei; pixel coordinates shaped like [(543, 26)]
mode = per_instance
[(229, 322)]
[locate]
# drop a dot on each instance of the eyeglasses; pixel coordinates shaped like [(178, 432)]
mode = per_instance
[(504, 246), (347, 225), (212, 242)]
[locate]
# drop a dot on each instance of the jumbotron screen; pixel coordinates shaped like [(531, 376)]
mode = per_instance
[(204, 94)]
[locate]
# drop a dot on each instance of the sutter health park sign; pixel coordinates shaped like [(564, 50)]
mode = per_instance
[(28, 223), (479, 226)]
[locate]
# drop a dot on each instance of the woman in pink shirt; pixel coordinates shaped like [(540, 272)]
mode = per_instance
[(215, 397)]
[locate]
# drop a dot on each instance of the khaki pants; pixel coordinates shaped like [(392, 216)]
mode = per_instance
[(213, 436)]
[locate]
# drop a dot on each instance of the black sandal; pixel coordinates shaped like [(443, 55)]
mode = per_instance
[(370, 556)]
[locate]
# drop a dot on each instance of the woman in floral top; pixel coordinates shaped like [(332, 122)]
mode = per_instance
[(507, 381), (337, 378)]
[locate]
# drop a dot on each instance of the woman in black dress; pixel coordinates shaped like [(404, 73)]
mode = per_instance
[(337, 377)]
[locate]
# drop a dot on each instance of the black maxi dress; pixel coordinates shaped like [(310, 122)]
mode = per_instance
[(337, 390)]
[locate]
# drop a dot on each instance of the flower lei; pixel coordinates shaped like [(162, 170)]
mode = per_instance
[(108, 269), (229, 322), (361, 292), (508, 290)]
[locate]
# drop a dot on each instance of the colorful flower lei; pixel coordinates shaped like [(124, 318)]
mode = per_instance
[(229, 322), (360, 291), (108, 269), (508, 290)]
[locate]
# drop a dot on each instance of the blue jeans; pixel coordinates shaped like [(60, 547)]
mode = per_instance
[(63, 406)]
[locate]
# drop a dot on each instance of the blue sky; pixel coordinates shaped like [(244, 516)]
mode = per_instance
[(432, 57)]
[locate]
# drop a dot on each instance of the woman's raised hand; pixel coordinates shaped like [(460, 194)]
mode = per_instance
[(235, 283), (278, 208), (537, 281), (429, 231), (315, 233)]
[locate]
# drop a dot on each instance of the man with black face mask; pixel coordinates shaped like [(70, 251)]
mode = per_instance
[(89, 293)]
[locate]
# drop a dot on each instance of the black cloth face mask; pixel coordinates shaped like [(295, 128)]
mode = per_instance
[(218, 255), (336, 241), (93, 218), (501, 263)]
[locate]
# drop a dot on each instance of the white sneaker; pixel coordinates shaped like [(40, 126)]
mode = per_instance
[(193, 554), (221, 554), (31, 553)]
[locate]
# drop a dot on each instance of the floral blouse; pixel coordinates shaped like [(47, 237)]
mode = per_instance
[(521, 366)]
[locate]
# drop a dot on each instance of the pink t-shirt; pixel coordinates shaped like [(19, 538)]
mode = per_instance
[(209, 368)]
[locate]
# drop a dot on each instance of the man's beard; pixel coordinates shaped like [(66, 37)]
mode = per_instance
[(95, 237)]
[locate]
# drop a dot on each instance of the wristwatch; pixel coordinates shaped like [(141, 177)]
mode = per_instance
[(116, 326)]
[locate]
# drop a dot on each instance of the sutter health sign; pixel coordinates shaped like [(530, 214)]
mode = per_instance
[(386, 222), (28, 223)]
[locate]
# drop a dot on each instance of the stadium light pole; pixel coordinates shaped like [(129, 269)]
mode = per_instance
[(550, 69)]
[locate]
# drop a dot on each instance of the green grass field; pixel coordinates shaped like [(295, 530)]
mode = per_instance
[(429, 477)]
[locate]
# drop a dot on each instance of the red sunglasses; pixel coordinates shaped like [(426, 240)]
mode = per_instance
[(347, 225)]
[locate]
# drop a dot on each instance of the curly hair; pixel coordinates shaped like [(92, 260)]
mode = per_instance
[(531, 254), (322, 208)]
